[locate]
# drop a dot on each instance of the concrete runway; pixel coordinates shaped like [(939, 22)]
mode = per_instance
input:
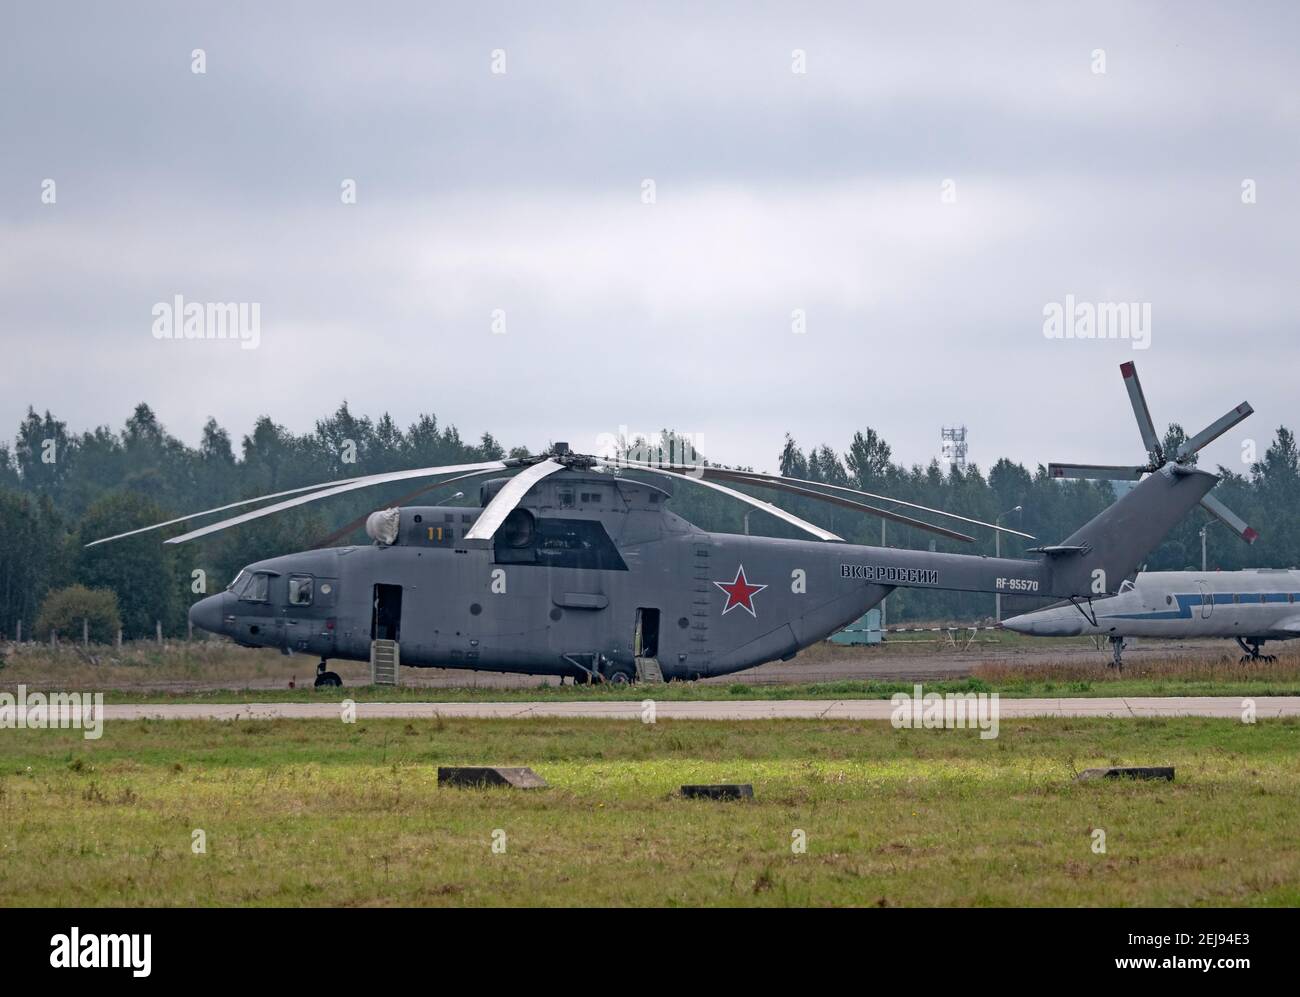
[(1227, 707)]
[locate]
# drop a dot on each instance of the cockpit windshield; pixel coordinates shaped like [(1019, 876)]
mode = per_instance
[(250, 586)]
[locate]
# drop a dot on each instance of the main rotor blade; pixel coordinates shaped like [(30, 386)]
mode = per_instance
[(504, 502), (758, 477), (360, 521), (1095, 472), (1150, 439), (767, 507), (220, 508), (1229, 518), (1214, 430), (348, 486), (694, 470), (846, 503)]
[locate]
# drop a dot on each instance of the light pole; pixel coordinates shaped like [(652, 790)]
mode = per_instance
[(1203, 531), (883, 521), (997, 552)]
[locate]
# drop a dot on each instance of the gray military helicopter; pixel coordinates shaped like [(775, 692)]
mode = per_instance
[(576, 567)]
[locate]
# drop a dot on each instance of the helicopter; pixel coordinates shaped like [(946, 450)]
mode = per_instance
[(575, 567)]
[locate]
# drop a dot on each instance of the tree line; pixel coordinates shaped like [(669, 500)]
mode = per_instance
[(60, 489)]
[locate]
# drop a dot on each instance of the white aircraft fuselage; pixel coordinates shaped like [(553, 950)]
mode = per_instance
[(1254, 605)]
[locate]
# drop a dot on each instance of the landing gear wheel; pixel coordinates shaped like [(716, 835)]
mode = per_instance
[(1117, 649), (327, 679), (1251, 647), (619, 674)]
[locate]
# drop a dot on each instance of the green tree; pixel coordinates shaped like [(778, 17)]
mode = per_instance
[(140, 569), (67, 610)]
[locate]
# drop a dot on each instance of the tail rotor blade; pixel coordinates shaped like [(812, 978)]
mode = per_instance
[(1095, 472), (1229, 518), (1150, 438), (1214, 430)]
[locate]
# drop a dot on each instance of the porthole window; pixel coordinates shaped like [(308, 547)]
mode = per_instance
[(1169, 600)]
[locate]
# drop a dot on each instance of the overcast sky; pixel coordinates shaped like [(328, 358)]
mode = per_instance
[(932, 181)]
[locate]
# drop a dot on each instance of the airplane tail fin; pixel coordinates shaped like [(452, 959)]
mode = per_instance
[(1098, 556)]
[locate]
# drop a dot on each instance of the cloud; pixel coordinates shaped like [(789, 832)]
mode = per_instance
[(774, 192)]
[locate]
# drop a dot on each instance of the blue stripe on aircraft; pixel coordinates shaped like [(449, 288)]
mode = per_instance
[(1190, 601)]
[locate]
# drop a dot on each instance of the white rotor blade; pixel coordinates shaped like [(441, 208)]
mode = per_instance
[(1214, 430), (1150, 439), (1229, 518), (1095, 472), (768, 507), (757, 476), (504, 502), (351, 485), (847, 503), (220, 508)]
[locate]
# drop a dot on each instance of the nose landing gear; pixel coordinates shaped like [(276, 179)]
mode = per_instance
[(325, 678)]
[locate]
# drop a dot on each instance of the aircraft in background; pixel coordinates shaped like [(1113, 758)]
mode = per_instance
[(1250, 607)]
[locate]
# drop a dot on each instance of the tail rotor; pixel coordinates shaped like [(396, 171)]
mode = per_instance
[(1180, 461)]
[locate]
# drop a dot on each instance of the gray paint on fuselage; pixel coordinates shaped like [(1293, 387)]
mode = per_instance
[(463, 607)]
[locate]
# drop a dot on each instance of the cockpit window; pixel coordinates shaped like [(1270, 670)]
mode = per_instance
[(300, 590), (1126, 586), (240, 580), (254, 587)]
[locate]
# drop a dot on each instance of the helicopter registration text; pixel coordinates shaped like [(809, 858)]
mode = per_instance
[(1018, 584)]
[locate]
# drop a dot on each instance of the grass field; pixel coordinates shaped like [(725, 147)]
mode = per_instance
[(319, 812), (217, 672)]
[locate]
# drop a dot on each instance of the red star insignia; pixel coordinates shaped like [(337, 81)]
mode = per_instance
[(740, 593)]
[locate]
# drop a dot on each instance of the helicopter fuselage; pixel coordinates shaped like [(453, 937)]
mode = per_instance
[(590, 573)]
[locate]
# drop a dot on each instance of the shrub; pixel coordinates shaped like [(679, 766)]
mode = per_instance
[(64, 609)]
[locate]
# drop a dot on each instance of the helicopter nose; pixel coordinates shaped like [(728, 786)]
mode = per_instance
[(207, 614)]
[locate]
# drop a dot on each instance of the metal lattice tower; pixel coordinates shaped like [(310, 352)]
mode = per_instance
[(952, 447)]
